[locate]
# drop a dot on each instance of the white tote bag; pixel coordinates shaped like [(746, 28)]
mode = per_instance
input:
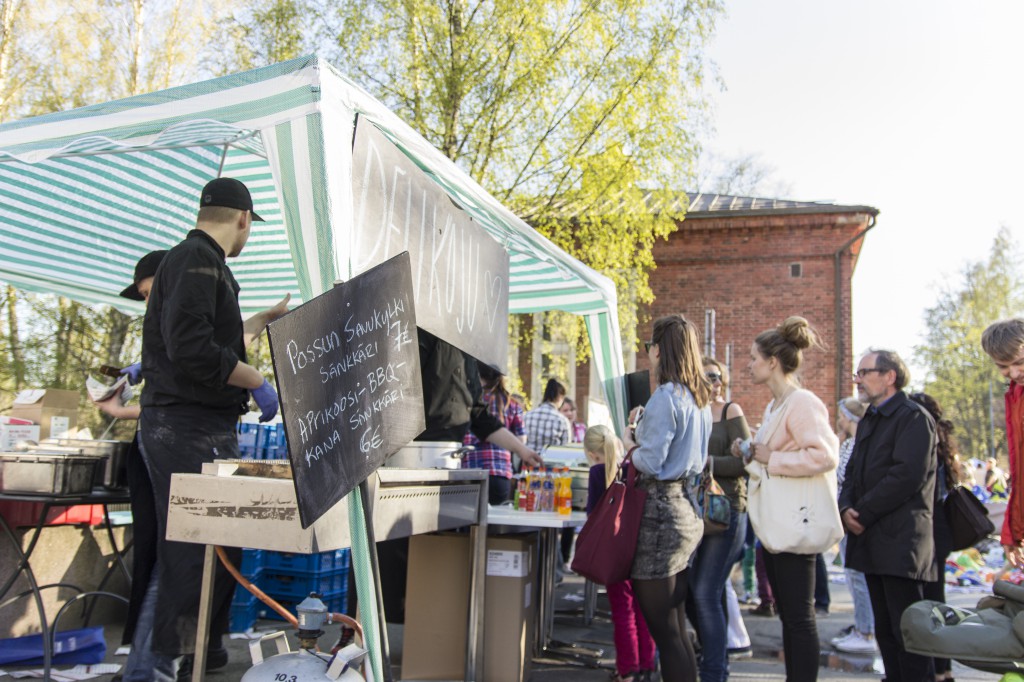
[(796, 514)]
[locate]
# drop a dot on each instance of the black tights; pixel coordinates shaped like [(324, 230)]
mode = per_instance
[(662, 603)]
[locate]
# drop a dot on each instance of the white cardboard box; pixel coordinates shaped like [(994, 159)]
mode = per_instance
[(10, 434)]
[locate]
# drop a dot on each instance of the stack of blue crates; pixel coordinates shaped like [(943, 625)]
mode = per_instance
[(262, 441), (245, 606), (289, 578)]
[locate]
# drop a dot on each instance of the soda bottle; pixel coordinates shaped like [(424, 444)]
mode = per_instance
[(533, 494), (564, 492), (548, 500)]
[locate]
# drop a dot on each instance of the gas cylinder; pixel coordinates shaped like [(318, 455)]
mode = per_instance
[(304, 665)]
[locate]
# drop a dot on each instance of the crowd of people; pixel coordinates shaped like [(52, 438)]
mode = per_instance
[(876, 479), (882, 470)]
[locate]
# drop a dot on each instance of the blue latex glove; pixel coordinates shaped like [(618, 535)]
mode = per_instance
[(266, 397), (134, 373)]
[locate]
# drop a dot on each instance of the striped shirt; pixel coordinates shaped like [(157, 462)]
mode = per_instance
[(497, 461), (545, 426)]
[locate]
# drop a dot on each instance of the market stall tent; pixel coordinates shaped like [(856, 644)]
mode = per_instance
[(87, 192)]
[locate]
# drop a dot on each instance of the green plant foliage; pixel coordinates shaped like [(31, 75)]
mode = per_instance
[(565, 111), (960, 375)]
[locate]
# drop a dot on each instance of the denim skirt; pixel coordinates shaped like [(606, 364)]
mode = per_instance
[(669, 532)]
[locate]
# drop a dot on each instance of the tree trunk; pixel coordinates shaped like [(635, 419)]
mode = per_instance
[(117, 331), (14, 340)]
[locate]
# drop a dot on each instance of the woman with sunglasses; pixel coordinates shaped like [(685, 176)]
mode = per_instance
[(669, 449), (717, 554)]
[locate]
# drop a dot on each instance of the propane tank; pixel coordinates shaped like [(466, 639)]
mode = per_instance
[(304, 665)]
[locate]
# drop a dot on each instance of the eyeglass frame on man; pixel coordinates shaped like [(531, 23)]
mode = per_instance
[(864, 371)]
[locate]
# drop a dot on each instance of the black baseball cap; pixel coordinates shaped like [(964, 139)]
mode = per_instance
[(146, 267), (230, 193)]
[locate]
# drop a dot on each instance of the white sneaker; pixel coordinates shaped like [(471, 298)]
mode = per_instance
[(856, 643), (843, 634)]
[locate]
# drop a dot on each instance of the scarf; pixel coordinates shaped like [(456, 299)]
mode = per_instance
[(1013, 525)]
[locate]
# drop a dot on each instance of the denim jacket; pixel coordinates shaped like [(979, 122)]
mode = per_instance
[(672, 434)]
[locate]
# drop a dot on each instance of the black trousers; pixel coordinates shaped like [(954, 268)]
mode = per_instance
[(792, 579), (890, 596), (180, 440)]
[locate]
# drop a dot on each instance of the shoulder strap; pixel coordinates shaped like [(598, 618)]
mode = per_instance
[(725, 410)]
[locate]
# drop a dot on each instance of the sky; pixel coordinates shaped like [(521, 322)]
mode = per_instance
[(912, 107)]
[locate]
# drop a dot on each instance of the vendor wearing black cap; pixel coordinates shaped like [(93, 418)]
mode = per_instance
[(197, 385)]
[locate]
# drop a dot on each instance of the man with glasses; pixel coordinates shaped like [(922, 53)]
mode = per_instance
[(887, 503)]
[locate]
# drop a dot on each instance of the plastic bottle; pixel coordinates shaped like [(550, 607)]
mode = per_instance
[(533, 493), (548, 499), (564, 497)]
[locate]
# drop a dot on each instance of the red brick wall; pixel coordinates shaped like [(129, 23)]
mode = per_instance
[(740, 267)]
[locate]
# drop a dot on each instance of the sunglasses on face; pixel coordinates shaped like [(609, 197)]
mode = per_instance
[(713, 376), (647, 346)]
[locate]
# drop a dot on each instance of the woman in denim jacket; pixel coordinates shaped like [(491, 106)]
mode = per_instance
[(670, 447)]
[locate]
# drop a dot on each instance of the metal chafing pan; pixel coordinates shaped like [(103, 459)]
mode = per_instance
[(113, 473), (53, 473)]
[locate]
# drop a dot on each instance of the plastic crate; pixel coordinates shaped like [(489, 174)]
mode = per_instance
[(306, 564), (299, 586), (335, 604), (244, 597), (243, 616), (252, 563)]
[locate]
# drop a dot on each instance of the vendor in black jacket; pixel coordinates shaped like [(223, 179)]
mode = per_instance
[(886, 504), (197, 385)]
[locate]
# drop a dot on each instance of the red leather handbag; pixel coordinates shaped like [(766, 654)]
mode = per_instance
[(607, 542)]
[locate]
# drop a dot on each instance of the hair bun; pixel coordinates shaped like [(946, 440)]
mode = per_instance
[(797, 331)]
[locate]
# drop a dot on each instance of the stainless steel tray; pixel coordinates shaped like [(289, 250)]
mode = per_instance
[(47, 473), (113, 474)]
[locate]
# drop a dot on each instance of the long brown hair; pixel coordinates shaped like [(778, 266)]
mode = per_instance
[(679, 356)]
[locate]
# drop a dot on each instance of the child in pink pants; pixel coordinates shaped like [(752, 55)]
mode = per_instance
[(634, 647)]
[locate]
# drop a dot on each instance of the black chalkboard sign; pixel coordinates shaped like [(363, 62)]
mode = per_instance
[(348, 375), (638, 389), (460, 273)]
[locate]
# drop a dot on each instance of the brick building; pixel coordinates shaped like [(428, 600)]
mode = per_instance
[(739, 265)]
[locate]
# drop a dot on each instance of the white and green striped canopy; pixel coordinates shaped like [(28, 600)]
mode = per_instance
[(85, 193)]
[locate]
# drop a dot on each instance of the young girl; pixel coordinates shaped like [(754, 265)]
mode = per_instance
[(634, 648)]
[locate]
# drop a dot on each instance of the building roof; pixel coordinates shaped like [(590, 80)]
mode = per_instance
[(700, 205)]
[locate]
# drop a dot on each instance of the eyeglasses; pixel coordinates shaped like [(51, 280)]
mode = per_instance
[(713, 376), (861, 373), (647, 346)]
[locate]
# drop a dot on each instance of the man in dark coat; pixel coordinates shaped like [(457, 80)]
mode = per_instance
[(197, 384), (886, 504)]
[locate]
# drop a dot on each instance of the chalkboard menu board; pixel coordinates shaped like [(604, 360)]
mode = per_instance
[(348, 374), (460, 273)]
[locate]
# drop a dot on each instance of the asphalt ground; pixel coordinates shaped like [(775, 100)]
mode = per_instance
[(764, 663)]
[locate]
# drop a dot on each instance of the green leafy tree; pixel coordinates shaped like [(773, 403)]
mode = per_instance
[(960, 375), (565, 111)]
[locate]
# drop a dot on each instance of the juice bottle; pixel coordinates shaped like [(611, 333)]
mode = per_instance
[(548, 499), (564, 496), (533, 493)]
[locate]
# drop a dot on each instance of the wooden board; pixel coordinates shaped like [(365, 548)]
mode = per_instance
[(348, 374), (460, 273)]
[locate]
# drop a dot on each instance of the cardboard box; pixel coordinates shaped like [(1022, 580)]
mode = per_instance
[(13, 433), (437, 607), (53, 409)]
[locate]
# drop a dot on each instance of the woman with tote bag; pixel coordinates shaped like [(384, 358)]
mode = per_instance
[(792, 491)]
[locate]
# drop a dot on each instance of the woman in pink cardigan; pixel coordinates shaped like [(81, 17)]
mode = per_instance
[(795, 440)]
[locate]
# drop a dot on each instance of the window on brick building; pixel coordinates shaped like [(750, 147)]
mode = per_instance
[(796, 270)]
